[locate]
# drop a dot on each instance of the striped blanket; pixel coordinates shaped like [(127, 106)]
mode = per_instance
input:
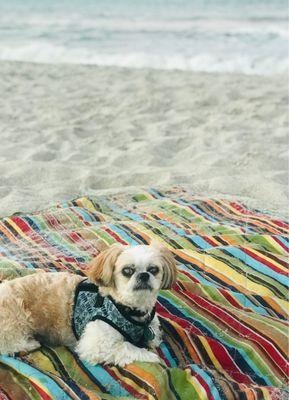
[(225, 323)]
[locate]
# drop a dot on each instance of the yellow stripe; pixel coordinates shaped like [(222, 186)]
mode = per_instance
[(277, 246), (232, 275), (87, 204), (28, 238), (281, 267), (210, 353), (42, 362), (131, 383), (284, 304), (16, 227), (212, 357), (202, 395), (34, 380), (265, 393)]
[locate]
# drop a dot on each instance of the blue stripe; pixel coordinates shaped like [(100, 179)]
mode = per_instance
[(196, 275), (85, 214), (123, 234), (167, 354), (200, 212), (132, 216), (172, 227), (124, 212), (283, 240), (215, 334), (206, 377), (107, 381), (61, 244), (155, 194), (253, 366), (245, 301), (258, 266), (43, 380), (198, 240)]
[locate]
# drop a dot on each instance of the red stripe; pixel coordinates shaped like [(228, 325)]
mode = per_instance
[(204, 384), (283, 245), (225, 360), (183, 323), (25, 228), (211, 242), (282, 224), (115, 236), (246, 332), (74, 236), (3, 396), (190, 276), (240, 208), (231, 299), (179, 289), (127, 387), (224, 292), (219, 351), (52, 220), (263, 261), (279, 223), (22, 224), (43, 394), (240, 328)]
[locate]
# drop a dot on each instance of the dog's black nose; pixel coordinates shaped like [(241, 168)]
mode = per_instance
[(144, 276)]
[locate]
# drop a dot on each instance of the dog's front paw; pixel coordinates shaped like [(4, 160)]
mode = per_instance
[(123, 358), (150, 357)]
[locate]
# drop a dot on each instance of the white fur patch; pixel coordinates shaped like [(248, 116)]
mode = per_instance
[(100, 343)]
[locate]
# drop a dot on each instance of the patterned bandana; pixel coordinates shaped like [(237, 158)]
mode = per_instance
[(89, 306)]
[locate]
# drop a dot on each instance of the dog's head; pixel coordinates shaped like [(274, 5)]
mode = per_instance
[(133, 275)]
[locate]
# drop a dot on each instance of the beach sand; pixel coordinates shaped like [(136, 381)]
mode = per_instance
[(70, 130)]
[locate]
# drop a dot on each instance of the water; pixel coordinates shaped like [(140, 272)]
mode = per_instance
[(200, 35)]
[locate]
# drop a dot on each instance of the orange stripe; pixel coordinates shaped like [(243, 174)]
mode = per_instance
[(146, 376), (188, 343), (205, 268), (7, 233)]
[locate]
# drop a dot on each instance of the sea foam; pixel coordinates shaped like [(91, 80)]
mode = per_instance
[(239, 37)]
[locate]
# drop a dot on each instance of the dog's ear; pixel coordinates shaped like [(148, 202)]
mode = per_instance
[(100, 270), (169, 266)]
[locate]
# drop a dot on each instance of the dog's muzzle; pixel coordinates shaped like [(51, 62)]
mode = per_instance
[(142, 281)]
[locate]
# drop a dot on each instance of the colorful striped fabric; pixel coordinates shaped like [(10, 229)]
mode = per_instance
[(225, 323)]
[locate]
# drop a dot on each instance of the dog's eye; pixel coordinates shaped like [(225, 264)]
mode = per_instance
[(153, 269), (128, 271)]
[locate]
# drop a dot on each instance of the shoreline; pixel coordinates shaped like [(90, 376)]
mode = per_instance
[(114, 128), (141, 69)]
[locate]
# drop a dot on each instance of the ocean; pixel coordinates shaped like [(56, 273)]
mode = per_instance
[(232, 36)]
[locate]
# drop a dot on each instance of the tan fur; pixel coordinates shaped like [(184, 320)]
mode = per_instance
[(37, 306), (101, 268), (169, 268)]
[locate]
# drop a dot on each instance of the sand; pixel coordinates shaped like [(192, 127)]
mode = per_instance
[(72, 130)]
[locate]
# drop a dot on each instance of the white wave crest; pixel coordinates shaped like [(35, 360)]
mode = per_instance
[(42, 52)]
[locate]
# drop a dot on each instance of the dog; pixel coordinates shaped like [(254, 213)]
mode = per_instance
[(108, 316)]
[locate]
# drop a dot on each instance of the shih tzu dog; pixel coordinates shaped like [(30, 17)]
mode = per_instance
[(107, 318)]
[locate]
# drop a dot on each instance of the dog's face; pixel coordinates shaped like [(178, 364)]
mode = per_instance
[(133, 275), (139, 268)]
